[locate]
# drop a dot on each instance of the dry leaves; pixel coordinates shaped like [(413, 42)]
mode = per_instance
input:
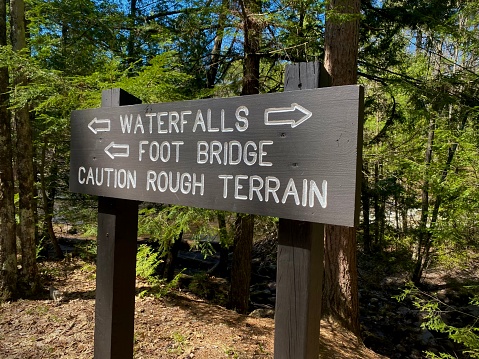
[(178, 326)]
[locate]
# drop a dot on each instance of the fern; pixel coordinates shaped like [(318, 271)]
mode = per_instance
[(433, 307), (147, 262)]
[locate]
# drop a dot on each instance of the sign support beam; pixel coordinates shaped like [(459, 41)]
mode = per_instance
[(300, 261), (116, 265)]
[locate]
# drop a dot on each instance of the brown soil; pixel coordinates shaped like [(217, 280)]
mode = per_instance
[(178, 325)]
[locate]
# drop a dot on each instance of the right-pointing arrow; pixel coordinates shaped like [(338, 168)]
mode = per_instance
[(114, 146), (287, 119), (99, 125)]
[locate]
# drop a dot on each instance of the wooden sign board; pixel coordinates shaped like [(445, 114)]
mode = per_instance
[(291, 154)]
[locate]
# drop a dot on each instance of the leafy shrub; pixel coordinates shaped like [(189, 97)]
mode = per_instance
[(86, 250), (147, 262), (433, 308), (161, 287)]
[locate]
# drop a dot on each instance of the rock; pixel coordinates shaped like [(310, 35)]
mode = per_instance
[(426, 338), (442, 295), (404, 311), (56, 295), (262, 313), (415, 354), (472, 310), (272, 286)]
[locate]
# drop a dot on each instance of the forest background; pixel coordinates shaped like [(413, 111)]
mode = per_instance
[(418, 61)]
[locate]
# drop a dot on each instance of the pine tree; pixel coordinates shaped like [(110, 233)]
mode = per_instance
[(25, 171), (8, 253), (340, 293)]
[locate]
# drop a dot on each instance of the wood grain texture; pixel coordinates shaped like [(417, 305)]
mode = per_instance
[(116, 268), (298, 290), (300, 262), (322, 148)]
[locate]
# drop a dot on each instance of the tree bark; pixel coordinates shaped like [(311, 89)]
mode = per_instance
[(221, 268), (423, 224), (216, 51), (241, 266), (131, 54), (340, 293), (341, 41), (366, 203), (425, 233), (25, 172), (8, 253), (48, 200), (171, 258), (377, 209), (244, 225), (252, 39)]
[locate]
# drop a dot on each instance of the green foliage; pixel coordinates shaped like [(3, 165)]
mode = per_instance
[(206, 287), (161, 80), (39, 248), (165, 226), (86, 250), (147, 262), (161, 288), (179, 343), (420, 134), (433, 309)]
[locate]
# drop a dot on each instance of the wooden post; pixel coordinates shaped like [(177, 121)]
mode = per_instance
[(116, 264), (300, 261)]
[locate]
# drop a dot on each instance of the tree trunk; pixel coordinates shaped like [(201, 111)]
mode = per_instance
[(340, 293), (377, 209), (221, 268), (171, 258), (423, 224), (425, 234), (8, 254), (48, 199), (131, 54), (241, 266), (252, 38), (244, 225), (25, 173), (366, 203), (341, 41), (216, 51)]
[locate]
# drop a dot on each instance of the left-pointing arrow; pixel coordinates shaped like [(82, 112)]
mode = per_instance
[(124, 150), (99, 125)]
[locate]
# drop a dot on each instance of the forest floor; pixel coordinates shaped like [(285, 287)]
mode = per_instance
[(177, 325), (181, 324)]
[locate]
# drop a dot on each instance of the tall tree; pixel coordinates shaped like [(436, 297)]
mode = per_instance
[(8, 254), (215, 59), (244, 225), (340, 294), (424, 104), (25, 171)]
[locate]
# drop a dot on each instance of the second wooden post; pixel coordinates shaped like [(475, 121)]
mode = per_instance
[(300, 262)]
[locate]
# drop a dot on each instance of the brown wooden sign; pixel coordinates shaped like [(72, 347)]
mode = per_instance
[(292, 154)]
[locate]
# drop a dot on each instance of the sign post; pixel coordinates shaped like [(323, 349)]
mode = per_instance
[(300, 259), (292, 155), (116, 265)]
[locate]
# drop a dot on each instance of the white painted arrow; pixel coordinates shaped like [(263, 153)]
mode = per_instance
[(104, 122), (117, 147), (284, 120)]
